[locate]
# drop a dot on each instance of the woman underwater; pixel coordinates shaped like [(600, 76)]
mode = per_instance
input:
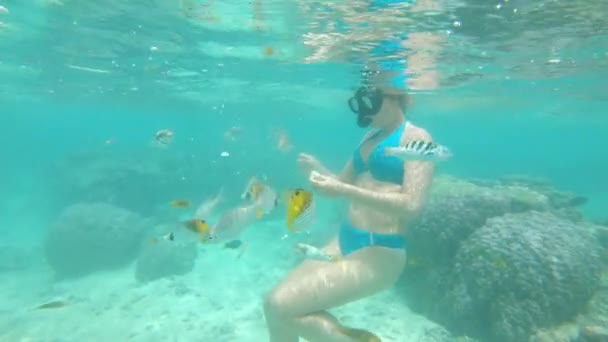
[(384, 194)]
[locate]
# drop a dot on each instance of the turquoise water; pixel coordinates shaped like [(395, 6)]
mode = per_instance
[(86, 86)]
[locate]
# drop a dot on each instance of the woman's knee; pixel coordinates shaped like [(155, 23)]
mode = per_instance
[(277, 304)]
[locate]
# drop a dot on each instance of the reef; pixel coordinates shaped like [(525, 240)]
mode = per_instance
[(501, 260), (122, 177), (88, 237)]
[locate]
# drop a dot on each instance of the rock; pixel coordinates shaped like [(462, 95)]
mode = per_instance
[(92, 236), (566, 332), (594, 333)]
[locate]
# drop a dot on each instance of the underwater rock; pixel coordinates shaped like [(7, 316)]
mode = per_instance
[(120, 177), (594, 333), (92, 236), (566, 332), (557, 199), (456, 208), (519, 273), (596, 313), (436, 333), (165, 259)]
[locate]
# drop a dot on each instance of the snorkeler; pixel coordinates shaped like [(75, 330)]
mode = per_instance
[(385, 193)]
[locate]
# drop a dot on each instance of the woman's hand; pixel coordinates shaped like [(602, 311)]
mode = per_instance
[(308, 163), (326, 185)]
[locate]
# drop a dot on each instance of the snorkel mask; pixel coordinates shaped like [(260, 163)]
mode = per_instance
[(366, 103)]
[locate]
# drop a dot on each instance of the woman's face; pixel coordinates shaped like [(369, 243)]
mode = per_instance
[(374, 108), (385, 114)]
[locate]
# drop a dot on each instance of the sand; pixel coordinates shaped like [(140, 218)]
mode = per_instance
[(220, 300)]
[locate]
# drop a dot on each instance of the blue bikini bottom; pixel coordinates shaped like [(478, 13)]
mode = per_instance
[(351, 239)]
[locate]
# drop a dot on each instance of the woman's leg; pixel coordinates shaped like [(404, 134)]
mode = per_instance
[(296, 306)]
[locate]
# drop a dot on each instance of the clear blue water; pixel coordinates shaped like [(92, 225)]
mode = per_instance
[(522, 92)]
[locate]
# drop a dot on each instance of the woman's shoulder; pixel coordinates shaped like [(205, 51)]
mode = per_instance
[(413, 132)]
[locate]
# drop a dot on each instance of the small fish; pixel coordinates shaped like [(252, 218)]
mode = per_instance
[(233, 133), (282, 141), (315, 253), (233, 222), (300, 210), (168, 237), (180, 203), (162, 138), (419, 150), (261, 194), (234, 244), (56, 304), (208, 206), (198, 226)]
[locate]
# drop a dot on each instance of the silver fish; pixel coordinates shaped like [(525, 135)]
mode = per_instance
[(207, 207), (233, 222), (419, 150), (261, 194), (315, 253)]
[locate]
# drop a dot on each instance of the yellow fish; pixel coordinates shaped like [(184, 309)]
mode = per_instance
[(198, 226), (180, 203), (300, 209)]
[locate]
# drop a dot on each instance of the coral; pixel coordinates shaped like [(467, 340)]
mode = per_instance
[(165, 258), (92, 236), (519, 273), (456, 208)]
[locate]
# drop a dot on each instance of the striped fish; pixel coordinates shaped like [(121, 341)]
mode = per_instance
[(419, 150), (301, 210)]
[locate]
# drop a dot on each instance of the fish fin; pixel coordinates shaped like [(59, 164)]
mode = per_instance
[(246, 194), (336, 258), (259, 213)]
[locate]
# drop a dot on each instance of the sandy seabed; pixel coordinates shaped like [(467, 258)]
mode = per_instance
[(220, 301)]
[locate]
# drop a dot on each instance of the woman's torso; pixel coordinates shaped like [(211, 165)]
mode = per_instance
[(380, 180)]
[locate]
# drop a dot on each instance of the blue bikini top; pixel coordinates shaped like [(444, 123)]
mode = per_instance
[(383, 168)]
